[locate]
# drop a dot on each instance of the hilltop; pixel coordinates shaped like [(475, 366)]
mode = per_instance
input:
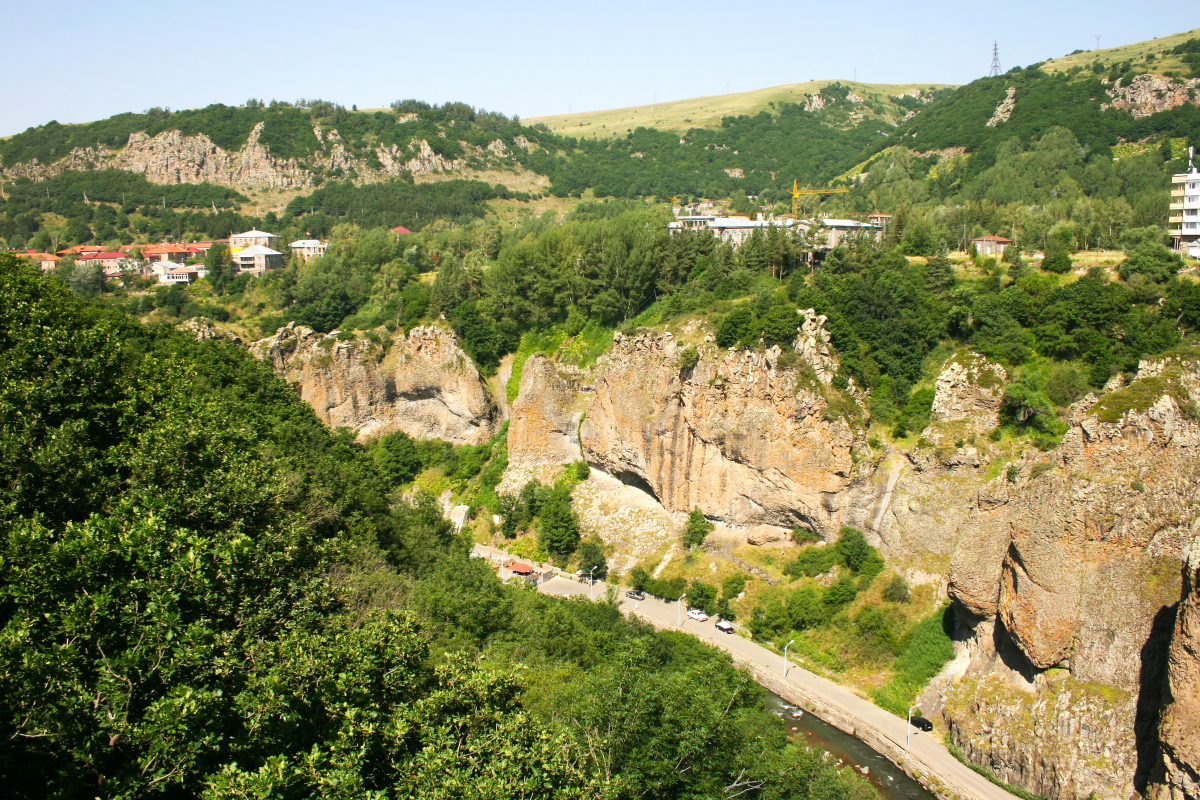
[(887, 102)]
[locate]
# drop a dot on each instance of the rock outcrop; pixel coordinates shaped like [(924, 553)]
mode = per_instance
[(1177, 776), (1064, 574), (1150, 94), (424, 384), (744, 441), (969, 388), (1004, 109), (543, 431), (204, 329)]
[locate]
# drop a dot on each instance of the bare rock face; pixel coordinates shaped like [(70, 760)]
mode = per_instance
[(969, 388), (1068, 569), (425, 385), (1149, 94), (543, 431), (203, 329), (1178, 775), (734, 436), (1004, 109)]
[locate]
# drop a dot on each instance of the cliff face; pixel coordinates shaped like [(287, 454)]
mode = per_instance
[(171, 157), (424, 385), (1178, 775), (736, 436), (1065, 575)]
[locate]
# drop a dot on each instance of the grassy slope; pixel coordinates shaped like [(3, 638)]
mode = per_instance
[(1135, 52), (706, 112)]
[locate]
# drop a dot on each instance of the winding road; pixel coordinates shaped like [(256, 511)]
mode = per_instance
[(924, 757)]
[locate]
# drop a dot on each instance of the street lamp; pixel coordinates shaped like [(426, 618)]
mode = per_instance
[(785, 664), (910, 710), (679, 610), (591, 585)]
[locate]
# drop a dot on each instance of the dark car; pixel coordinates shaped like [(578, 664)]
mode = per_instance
[(724, 627), (636, 595), (922, 723)]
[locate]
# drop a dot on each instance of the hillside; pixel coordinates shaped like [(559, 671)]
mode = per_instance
[(1152, 55), (886, 102)]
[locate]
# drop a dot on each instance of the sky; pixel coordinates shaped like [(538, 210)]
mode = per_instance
[(93, 59)]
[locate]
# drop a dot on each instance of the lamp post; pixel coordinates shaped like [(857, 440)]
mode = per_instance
[(910, 710), (679, 610), (591, 585), (785, 663)]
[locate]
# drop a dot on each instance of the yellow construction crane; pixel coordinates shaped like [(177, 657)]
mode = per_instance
[(797, 191)]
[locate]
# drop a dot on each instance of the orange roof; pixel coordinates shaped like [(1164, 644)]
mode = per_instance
[(38, 256), (100, 256)]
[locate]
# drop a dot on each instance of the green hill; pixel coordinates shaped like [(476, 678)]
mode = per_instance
[(889, 102)]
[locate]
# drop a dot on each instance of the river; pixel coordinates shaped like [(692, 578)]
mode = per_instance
[(888, 779)]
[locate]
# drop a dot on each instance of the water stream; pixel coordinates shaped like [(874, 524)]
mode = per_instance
[(888, 779)]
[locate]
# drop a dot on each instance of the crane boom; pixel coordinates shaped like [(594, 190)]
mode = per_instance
[(796, 191)]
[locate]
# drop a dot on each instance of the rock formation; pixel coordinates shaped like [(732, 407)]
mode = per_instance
[(424, 385), (204, 329), (1004, 109), (1064, 575), (746, 442), (1149, 94), (1178, 775), (969, 388)]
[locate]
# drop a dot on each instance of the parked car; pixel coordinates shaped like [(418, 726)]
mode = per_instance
[(697, 614), (635, 595), (922, 723), (724, 627)]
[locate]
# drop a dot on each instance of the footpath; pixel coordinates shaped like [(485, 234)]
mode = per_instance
[(921, 755)]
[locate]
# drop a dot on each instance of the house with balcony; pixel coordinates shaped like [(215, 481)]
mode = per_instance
[(257, 259), (1185, 210), (253, 238), (309, 248)]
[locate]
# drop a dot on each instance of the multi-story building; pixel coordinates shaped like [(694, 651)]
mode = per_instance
[(1185, 209)]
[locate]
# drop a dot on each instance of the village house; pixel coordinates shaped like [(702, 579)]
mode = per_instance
[(257, 259), (309, 248), (108, 261), (176, 254), (179, 275), (254, 238), (991, 245), (400, 230), (45, 261)]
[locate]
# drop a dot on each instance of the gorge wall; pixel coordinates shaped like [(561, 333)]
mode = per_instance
[(422, 384), (1074, 675)]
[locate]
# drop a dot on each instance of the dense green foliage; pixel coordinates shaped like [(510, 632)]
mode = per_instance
[(205, 592)]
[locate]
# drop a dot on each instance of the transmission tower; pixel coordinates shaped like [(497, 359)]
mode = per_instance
[(995, 59)]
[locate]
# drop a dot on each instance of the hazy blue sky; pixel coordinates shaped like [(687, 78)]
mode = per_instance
[(83, 60)]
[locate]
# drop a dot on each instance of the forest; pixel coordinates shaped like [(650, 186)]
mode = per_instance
[(205, 592)]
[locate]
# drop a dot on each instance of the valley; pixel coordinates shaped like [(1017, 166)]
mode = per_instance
[(935, 432)]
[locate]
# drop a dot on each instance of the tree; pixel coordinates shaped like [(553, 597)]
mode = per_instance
[(591, 554), (696, 529), (638, 578), (780, 325), (702, 596), (219, 265), (896, 590), (558, 529)]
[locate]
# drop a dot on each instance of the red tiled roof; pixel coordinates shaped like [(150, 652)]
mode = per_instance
[(103, 256), (400, 230), (520, 566)]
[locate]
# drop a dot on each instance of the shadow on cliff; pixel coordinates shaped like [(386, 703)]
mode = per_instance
[(1151, 678)]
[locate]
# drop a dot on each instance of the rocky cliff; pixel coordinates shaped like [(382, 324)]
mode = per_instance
[(171, 157), (1149, 94), (1065, 574), (1177, 776), (422, 383)]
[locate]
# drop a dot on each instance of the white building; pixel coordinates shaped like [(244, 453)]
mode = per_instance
[(250, 239), (179, 275), (257, 259), (1185, 210), (309, 248), (738, 229)]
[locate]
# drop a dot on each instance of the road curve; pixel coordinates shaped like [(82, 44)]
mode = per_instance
[(923, 757)]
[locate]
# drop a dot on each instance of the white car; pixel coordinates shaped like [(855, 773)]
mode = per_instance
[(697, 614)]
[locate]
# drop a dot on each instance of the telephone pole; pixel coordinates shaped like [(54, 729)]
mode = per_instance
[(995, 59)]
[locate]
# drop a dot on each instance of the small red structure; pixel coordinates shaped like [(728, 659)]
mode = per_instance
[(520, 568), (400, 230)]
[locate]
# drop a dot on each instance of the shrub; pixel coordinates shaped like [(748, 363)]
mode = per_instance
[(1058, 262), (689, 358), (897, 590)]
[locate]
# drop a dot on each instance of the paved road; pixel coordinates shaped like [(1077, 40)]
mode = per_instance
[(837, 705)]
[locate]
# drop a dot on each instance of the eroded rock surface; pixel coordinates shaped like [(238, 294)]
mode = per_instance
[(424, 385), (734, 436), (1150, 94), (1178, 775)]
